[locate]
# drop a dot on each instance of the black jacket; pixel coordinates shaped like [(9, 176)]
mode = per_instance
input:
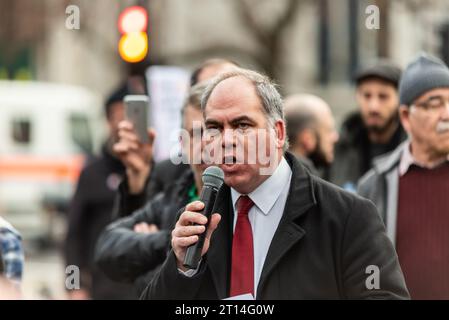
[(89, 214), (125, 255), (352, 152), (325, 241), (162, 177)]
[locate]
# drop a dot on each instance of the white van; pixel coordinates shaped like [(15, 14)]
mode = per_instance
[(46, 131)]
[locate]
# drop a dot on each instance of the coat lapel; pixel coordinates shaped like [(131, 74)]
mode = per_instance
[(219, 255), (300, 200)]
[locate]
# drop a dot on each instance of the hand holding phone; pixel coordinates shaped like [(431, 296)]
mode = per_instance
[(135, 145)]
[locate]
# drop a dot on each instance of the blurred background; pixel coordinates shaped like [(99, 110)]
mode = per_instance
[(55, 77)]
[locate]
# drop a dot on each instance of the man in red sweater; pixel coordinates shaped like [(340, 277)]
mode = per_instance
[(410, 186)]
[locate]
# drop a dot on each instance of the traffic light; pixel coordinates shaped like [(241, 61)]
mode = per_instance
[(132, 24)]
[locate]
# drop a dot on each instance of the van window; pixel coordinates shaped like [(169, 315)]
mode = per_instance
[(80, 132), (21, 131)]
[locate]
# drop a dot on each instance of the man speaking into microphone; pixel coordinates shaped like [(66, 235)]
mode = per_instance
[(277, 232)]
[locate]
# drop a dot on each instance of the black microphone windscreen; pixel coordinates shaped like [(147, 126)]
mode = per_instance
[(213, 176)]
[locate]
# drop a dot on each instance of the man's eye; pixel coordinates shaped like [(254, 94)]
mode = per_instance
[(243, 126), (435, 103), (211, 132)]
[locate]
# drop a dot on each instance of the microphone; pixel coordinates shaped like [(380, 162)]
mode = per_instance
[(212, 179)]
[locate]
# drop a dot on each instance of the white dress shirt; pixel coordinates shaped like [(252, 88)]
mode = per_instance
[(269, 203)]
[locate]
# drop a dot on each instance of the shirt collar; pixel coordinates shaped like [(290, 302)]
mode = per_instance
[(407, 160), (269, 191)]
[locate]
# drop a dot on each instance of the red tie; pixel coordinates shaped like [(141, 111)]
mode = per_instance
[(242, 272)]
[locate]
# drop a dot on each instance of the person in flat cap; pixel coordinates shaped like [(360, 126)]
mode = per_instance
[(374, 129), (410, 185)]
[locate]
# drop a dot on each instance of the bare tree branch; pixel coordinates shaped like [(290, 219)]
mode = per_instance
[(268, 39)]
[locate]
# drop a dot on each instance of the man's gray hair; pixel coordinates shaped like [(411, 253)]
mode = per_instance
[(266, 90)]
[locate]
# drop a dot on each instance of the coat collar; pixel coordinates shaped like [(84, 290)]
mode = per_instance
[(300, 200), (388, 162)]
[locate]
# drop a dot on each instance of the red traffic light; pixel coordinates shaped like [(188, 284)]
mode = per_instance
[(132, 24), (133, 19)]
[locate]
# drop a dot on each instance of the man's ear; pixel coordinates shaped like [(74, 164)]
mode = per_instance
[(404, 116), (308, 140), (280, 133)]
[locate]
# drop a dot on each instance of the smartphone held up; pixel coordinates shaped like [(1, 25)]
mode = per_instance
[(136, 112)]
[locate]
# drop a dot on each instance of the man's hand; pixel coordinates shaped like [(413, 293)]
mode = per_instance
[(135, 155), (145, 228), (186, 234), (79, 294)]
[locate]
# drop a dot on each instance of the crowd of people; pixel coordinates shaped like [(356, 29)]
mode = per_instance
[(336, 203)]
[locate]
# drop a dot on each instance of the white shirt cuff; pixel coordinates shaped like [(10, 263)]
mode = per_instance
[(190, 272)]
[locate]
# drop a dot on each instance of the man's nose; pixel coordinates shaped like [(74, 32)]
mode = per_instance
[(228, 138), (445, 114), (373, 104)]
